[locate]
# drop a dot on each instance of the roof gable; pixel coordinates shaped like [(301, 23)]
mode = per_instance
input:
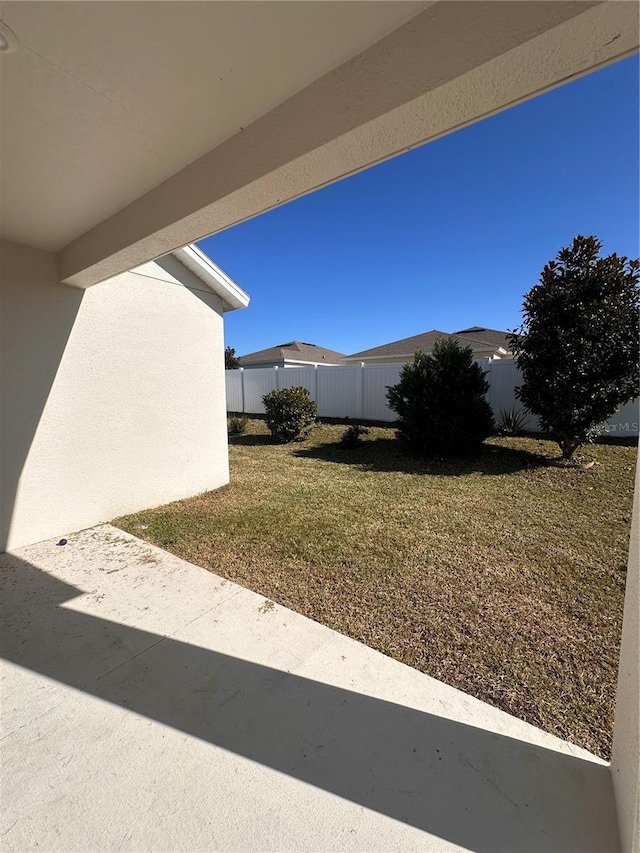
[(491, 336), (294, 351), (475, 336), (194, 259)]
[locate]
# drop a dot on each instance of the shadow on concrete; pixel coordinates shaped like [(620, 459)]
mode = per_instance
[(458, 782), (386, 454)]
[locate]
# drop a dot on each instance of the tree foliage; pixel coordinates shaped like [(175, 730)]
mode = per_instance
[(440, 402), (577, 347), (230, 360), (290, 414)]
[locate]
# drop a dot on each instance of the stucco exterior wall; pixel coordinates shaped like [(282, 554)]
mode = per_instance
[(113, 400)]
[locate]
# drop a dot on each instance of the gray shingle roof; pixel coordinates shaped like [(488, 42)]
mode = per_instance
[(295, 351), (475, 337), (491, 336)]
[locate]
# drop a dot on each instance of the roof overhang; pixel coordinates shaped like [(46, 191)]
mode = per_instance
[(191, 257), (125, 135)]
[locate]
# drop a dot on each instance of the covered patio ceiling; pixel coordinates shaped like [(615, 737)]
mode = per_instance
[(131, 129), (108, 100)]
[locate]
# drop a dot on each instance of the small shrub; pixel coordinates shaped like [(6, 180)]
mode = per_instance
[(440, 402), (512, 422), (351, 436), (237, 425), (290, 414), (230, 360)]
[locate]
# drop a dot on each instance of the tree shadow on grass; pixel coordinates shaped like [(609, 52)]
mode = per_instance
[(617, 440), (251, 440), (386, 454)]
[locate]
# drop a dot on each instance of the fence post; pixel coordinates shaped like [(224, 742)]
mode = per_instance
[(362, 390), (242, 388), (276, 370), (315, 384), (487, 371)]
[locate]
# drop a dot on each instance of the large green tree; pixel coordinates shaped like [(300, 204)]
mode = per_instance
[(577, 347), (440, 402)]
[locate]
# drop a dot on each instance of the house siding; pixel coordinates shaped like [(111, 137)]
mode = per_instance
[(113, 399)]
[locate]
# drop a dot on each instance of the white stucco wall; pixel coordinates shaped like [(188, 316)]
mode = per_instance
[(113, 400)]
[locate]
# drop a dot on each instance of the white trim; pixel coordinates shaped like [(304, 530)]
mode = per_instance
[(313, 363), (210, 274)]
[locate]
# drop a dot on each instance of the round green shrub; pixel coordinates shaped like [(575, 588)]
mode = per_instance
[(290, 414), (440, 402), (237, 424)]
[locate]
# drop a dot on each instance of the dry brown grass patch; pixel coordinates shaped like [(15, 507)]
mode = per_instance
[(502, 575)]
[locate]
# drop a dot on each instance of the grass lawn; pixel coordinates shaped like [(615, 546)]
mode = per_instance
[(502, 575)]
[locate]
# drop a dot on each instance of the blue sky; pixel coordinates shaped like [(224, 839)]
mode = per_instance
[(448, 235)]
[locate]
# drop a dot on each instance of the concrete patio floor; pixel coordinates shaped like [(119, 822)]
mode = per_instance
[(149, 705)]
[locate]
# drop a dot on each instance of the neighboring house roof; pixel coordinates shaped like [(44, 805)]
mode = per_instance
[(491, 336), (294, 351), (195, 260), (476, 337)]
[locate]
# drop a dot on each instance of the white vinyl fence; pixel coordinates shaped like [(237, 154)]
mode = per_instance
[(359, 392)]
